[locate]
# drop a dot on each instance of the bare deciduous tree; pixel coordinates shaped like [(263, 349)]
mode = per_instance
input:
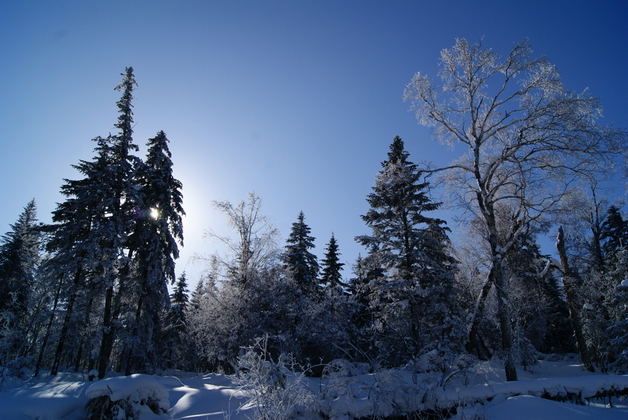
[(528, 141), (256, 244)]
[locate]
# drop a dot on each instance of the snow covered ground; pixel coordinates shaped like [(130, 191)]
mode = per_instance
[(215, 396)]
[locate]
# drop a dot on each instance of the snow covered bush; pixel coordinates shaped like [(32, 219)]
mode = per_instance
[(126, 398), (21, 367), (273, 389)]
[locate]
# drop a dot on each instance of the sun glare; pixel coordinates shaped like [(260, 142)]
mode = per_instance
[(154, 214)]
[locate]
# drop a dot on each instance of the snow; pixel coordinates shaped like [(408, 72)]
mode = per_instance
[(526, 407), (217, 397), (125, 386)]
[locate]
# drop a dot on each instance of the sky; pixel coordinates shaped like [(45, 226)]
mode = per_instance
[(296, 101)]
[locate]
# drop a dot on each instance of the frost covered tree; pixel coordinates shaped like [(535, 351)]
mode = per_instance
[(153, 249), (415, 299), (614, 239), (527, 141), (86, 242), (19, 260), (123, 200), (91, 247), (244, 295), (255, 247), (297, 258)]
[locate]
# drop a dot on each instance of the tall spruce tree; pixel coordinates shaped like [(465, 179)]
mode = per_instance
[(298, 260), (84, 240), (19, 258), (123, 201), (90, 237), (154, 248), (416, 300)]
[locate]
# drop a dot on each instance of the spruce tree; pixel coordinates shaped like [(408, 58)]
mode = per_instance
[(175, 340), (331, 278), (123, 200), (417, 300), (19, 258), (614, 285), (613, 233), (298, 260), (86, 241), (90, 237), (153, 247)]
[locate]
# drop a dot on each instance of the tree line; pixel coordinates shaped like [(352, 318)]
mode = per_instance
[(89, 292)]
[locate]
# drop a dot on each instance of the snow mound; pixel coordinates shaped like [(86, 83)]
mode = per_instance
[(138, 389)]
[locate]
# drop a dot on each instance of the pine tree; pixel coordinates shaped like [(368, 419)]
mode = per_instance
[(175, 337), (123, 201), (84, 241), (417, 301), (19, 258), (331, 267), (90, 238), (614, 285), (614, 233), (618, 331), (298, 260), (154, 247)]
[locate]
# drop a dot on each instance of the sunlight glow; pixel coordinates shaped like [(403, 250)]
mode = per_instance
[(154, 214)]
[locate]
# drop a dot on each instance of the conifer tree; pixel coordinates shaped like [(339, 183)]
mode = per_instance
[(154, 247), (298, 260), (614, 233), (175, 337), (614, 285), (90, 237), (19, 258), (86, 240), (417, 299), (123, 200), (331, 266)]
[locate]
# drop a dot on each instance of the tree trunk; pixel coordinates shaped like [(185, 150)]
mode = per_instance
[(130, 361), (569, 280), (497, 274), (42, 351), (79, 353), (503, 311), (106, 344), (66, 324), (474, 343)]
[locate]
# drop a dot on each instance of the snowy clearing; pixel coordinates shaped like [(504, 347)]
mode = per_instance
[(216, 396)]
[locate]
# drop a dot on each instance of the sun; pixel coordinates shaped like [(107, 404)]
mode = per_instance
[(154, 214)]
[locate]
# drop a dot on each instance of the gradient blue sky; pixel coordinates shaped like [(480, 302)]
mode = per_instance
[(297, 101)]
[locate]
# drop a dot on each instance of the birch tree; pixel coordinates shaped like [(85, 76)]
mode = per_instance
[(527, 141)]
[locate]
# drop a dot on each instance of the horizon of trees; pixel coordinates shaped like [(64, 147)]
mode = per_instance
[(89, 292)]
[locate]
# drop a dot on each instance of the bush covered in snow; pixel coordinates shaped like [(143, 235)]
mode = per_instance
[(126, 398), (273, 388)]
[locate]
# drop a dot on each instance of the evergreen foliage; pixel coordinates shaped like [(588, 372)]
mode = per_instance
[(298, 260), (99, 297), (19, 260), (113, 245), (175, 338), (414, 301), (331, 278)]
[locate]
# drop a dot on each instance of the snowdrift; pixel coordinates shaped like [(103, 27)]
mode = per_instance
[(481, 394)]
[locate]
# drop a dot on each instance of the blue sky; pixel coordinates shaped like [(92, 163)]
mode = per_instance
[(297, 101)]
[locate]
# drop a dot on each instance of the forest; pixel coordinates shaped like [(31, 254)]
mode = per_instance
[(96, 290)]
